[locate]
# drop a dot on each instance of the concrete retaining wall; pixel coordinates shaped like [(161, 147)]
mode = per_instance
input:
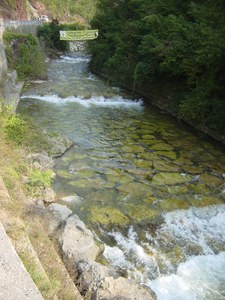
[(22, 26), (9, 86), (3, 62)]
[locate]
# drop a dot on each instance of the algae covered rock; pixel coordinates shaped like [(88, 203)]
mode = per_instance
[(211, 180), (170, 178), (135, 188), (107, 216), (162, 165), (169, 154), (204, 201), (174, 204), (162, 147), (141, 213)]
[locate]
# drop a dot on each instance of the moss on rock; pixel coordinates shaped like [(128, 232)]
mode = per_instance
[(107, 216), (170, 178), (173, 204)]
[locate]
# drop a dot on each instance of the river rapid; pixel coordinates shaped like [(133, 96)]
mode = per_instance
[(150, 188)]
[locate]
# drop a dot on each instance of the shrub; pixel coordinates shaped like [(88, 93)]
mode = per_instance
[(25, 55), (40, 178), (49, 32), (15, 129)]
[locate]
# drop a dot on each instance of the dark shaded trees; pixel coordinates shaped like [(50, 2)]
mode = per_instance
[(175, 47)]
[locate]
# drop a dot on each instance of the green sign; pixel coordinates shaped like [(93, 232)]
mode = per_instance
[(78, 35)]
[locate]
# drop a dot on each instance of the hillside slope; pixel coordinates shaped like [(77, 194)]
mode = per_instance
[(82, 10)]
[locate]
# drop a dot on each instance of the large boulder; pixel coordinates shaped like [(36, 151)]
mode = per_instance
[(48, 195), (41, 160), (59, 144), (98, 282), (55, 215), (77, 242)]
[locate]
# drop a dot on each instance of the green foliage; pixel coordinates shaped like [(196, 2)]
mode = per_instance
[(49, 32), (39, 178), (24, 54), (15, 129), (175, 47)]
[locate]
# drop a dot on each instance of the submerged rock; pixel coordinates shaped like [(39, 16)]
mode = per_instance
[(211, 180), (108, 216), (142, 213), (200, 201), (174, 204), (135, 188), (170, 178), (59, 144), (99, 282), (74, 199)]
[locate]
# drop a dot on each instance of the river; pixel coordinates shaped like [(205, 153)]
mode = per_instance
[(149, 187)]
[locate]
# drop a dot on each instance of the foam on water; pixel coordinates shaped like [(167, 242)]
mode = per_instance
[(64, 58), (200, 226), (201, 277), (116, 101), (198, 276)]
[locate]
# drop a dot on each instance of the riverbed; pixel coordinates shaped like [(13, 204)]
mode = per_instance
[(151, 188)]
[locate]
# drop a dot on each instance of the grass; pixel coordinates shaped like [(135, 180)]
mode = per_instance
[(18, 215)]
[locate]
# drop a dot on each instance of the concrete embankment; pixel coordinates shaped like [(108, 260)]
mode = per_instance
[(15, 282)]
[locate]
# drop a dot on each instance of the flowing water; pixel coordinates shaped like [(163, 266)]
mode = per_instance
[(151, 190)]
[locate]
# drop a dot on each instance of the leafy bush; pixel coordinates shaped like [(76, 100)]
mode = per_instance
[(40, 178), (24, 54), (15, 129), (49, 32)]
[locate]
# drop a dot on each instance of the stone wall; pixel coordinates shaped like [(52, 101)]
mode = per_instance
[(3, 62), (23, 26), (10, 88)]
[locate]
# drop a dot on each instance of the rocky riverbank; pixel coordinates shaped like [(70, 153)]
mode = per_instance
[(80, 248)]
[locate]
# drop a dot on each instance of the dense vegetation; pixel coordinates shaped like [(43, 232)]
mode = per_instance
[(169, 48), (24, 54), (49, 33)]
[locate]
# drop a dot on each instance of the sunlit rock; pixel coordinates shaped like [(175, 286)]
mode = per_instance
[(99, 282), (77, 242)]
